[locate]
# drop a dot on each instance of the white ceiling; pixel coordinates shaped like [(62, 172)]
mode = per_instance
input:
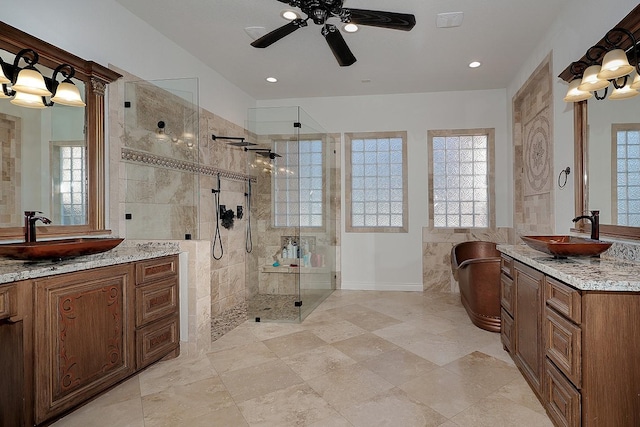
[(499, 33)]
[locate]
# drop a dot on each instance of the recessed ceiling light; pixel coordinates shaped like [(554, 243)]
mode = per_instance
[(350, 28), (289, 15), (474, 64), (271, 79), (365, 81)]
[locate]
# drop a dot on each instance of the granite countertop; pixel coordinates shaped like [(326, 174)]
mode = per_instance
[(587, 274), (15, 270)]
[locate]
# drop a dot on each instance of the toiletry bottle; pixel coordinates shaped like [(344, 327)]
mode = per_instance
[(285, 252), (306, 255), (291, 250)]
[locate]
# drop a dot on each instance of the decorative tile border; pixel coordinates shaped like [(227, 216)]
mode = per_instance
[(135, 156)]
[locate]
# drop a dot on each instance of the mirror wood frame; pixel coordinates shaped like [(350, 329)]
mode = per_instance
[(95, 77), (581, 149)]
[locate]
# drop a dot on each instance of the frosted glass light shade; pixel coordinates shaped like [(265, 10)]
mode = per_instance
[(614, 64), (624, 92), (3, 78), (574, 94), (31, 81), (68, 94), (28, 100), (590, 80), (636, 82), (3, 95)]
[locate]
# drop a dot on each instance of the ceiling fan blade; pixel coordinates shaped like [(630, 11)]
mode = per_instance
[(378, 18), (338, 46), (278, 33)]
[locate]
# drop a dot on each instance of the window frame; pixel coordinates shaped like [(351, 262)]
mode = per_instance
[(491, 164), (615, 128), (348, 139)]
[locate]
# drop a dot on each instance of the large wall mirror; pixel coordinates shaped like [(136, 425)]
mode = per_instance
[(52, 157), (607, 149)]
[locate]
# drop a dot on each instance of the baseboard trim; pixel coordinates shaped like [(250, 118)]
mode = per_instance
[(362, 286)]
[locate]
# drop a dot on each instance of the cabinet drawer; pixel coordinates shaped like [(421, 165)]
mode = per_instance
[(156, 340), (506, 293), (157, 300), (563, 400), (8, 301), (154, 269), (506, 330), (564, 299), (506, 265), (563, 345)]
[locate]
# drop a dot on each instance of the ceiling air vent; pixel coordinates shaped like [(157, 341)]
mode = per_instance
[(449, 19)]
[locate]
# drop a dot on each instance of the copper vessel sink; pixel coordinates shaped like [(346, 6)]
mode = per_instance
[(565, 246), (58, 249)]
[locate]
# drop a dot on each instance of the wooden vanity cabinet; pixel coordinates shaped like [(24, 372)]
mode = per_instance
[(586, 371), (96, 327)]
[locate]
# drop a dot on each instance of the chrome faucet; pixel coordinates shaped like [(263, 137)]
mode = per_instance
[(30, 219), (594, 218)]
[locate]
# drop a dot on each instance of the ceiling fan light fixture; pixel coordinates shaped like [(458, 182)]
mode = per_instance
[(289, 14), (350, 28)]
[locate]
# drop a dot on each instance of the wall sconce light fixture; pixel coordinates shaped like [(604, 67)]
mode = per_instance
[(27, 87), (607, 64)]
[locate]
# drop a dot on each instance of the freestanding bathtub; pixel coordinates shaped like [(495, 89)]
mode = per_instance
[(476, 267)]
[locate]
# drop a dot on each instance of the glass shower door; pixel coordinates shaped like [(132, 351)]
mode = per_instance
[(295, 247)]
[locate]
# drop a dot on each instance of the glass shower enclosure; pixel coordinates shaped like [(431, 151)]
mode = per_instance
[(291, 264), (161, 154)]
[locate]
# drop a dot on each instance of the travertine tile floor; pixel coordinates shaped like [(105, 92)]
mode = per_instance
[(360, 359)]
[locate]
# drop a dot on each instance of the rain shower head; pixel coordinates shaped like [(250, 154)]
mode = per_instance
[(237, 140), (264, 152)]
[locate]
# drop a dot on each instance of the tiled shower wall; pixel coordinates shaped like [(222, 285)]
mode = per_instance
[(218, 295), (137, 175)]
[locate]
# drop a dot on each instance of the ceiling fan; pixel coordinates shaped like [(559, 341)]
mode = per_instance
[(319, 11)]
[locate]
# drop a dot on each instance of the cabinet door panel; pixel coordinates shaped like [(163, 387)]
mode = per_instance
[(157, 340), (84, 339), (527, 318), (156, 301), (506, 293), (506, 331), (563, 344), (563, 400)]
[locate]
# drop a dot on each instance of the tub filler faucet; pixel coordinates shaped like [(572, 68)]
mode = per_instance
[(594, 218), (30, 219)]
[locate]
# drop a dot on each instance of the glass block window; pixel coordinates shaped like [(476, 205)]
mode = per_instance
[(459, 183), (298, 183), (377, 187), (73, 191), (628, 176)]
